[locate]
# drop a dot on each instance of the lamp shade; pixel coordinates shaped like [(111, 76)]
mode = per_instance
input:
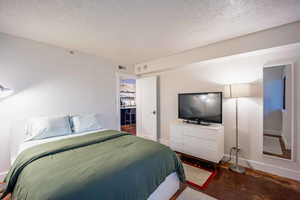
[(237, 90), (4, 92)]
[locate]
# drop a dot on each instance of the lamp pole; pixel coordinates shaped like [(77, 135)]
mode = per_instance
[(235, 167)]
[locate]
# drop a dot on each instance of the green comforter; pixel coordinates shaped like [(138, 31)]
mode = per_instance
[(104, 165)]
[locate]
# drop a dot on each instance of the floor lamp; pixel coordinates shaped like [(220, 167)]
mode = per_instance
[(237, 91)]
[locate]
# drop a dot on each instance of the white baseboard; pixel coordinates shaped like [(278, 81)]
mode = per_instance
[(272, 169), (2, 175)]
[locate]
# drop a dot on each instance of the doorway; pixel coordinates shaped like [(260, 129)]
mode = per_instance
[(127, 104)]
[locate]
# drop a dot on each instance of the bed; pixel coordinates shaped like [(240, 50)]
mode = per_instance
[(102, 164)]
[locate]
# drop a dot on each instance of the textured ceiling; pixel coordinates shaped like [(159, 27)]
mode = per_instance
[(132, 31)]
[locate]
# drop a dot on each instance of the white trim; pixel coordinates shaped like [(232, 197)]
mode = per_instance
[(2, 175), (118, 78), (272, 169)]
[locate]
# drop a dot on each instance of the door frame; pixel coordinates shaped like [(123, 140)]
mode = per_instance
[(119, 77)]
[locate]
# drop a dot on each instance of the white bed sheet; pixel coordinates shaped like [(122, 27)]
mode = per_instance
[(164, 191)]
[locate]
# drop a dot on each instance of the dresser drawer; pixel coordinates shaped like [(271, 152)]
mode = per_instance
[(176, 133), (176, 146), (206, 155), (199, 141), (203, 134), (176, 140), (175, 136), (197, 144)]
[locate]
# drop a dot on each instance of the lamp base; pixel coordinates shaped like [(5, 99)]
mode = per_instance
[(237, 168)]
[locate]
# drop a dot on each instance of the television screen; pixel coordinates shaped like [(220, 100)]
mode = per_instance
[(205, 107)]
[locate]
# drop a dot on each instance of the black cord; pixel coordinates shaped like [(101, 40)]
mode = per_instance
[(230, 155)]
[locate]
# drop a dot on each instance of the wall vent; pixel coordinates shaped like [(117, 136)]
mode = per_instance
[(122, 67)]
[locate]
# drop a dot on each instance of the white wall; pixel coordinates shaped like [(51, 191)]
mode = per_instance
[(49, 81), (211, 76)]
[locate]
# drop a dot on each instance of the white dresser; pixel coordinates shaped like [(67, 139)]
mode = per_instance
[(204, 142)]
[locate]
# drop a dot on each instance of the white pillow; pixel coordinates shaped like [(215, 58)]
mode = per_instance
[(83, 123), (46, 127)]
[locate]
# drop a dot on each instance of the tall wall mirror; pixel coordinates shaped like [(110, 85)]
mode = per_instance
[(278, 117)]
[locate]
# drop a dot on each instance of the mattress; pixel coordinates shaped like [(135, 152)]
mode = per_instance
[(165, 190)]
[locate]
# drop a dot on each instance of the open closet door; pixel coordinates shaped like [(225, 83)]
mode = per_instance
[(146, 107)]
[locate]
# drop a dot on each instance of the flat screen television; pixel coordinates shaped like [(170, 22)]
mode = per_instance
[(200, 107)]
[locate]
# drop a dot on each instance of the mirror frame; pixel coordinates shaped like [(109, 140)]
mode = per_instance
[(293, 148)]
